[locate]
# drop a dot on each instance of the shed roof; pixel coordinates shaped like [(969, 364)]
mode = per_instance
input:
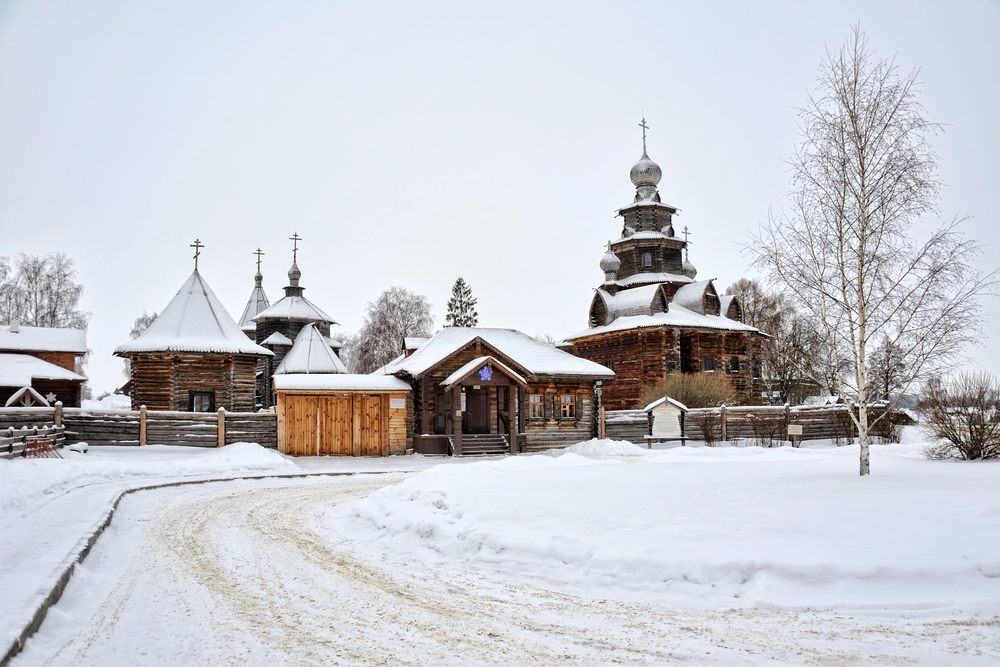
[(340, 382), (18, 370), (532, 355), (194, 321), (311, 353), (43, 339)]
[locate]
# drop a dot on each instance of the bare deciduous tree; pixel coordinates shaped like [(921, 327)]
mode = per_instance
[(395, 315), (964, 418), (861, 176), (139, 326), (41, 292)]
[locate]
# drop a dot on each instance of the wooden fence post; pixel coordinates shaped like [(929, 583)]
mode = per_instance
[(788, 420), (57, 415), (725, 433), (142, 425), (222, 427)]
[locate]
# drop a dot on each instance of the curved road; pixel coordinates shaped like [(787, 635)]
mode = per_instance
[(238, 574)]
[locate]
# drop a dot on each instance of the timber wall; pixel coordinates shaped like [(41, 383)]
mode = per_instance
[(164, 382), (768, 424), (125, 427)]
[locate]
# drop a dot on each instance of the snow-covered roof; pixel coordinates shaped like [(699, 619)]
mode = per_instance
[(256, 304), (340, 381), (476, 363), (666, 399), (648, 202), (295, 308), (642, 278), (635, 301), (676, 316), (277, 338), (532, 355), (194, 321), (311, 353), (334, 343), (37, 398), (18, 370), (692, 296), (413, 342), (43, 339)]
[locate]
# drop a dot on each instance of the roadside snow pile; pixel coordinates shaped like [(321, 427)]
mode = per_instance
[(772, 526), (109, 402), (25, 483), (597, 448)]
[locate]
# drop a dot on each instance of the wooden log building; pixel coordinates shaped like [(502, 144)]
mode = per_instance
[(193, 357), (651, 318), (44, 359), (480, 390)]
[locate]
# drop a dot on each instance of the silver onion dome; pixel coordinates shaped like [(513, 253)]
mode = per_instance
[(645, 172), (687, 268), (610, 262), (294, 274)]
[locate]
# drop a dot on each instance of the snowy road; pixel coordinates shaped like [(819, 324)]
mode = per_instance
[(238, 573)]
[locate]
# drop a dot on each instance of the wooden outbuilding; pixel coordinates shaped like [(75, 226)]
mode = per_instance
[(193, 357), (340, 414), (44, 359)]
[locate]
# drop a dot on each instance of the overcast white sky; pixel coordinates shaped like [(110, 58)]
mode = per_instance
[(410, 144)]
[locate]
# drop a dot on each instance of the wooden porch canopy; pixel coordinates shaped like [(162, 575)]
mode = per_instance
[(482, 371)]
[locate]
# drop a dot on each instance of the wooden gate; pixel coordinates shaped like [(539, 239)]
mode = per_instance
[(372, 434), (301, 425), (336, 426)]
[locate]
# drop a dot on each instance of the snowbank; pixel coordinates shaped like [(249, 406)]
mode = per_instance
[(28, 482), (783, 526), (109, 402)]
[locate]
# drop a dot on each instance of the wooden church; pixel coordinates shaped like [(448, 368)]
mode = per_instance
[(193, 357), (651, 317)]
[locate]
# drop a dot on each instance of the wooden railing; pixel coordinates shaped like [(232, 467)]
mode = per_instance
[(12, 441)]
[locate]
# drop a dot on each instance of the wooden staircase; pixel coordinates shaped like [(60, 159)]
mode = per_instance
[(481, 444)]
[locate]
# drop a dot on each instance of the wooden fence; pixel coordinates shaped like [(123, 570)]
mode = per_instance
[(769, 425), (12, 440), (630, 425), (142, 427)]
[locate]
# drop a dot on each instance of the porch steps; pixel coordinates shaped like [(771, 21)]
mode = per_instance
[(476, 444)]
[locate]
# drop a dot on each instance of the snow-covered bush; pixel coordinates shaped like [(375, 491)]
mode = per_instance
[(963, 418)]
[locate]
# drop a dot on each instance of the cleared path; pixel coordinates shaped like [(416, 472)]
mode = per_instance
[(237, 574)]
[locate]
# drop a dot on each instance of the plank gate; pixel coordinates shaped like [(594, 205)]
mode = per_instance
[(335, 425)]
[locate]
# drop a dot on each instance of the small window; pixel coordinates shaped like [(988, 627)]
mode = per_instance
[(709, 364), (734, 365), (568, 404), (610, 365), (202, 401), (536, 408), (647, 259)]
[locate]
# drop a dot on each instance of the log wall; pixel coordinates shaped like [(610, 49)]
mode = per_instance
[(831, 422), (164, 382)]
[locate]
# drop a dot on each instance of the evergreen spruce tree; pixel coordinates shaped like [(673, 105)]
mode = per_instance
[(461, 306)]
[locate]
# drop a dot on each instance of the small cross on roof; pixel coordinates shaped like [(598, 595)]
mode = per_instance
[(295, 247), (197, 245), (258, 252)]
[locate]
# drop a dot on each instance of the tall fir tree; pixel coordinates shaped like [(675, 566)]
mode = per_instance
[(461, 306)]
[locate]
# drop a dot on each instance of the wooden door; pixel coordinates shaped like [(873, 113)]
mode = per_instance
[(371, 433), (300, 425), (477, 411), (336, 426)]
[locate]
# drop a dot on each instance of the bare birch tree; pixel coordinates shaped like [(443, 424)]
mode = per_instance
[(862, 175), (41, 292), (395, 315)]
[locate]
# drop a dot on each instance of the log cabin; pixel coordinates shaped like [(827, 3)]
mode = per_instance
[(491, 391), (193, 357), (651, 318), (44, 359)]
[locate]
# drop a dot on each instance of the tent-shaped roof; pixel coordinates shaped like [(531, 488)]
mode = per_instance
[(532, 355), (255, 305), (43, 339), (18, 370), (311, 353), (194, 321), (295, 308)]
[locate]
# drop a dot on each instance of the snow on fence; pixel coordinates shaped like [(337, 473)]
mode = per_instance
[(13, 441), (769, 425), (142, 427), (630, 425)]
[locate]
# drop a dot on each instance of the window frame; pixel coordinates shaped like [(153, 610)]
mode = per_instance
[(536, 408), (707, 361), (567, 406), (194, 395)]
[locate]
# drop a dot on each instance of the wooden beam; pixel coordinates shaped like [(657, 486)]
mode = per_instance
[(456, 407)]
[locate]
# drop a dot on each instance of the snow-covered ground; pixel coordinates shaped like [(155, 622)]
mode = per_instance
[(604, 553)]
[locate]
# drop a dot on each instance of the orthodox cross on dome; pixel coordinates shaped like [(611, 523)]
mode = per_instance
[(686, 242), (644, 128), (295, 246), (197, 245), (258, 252)]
